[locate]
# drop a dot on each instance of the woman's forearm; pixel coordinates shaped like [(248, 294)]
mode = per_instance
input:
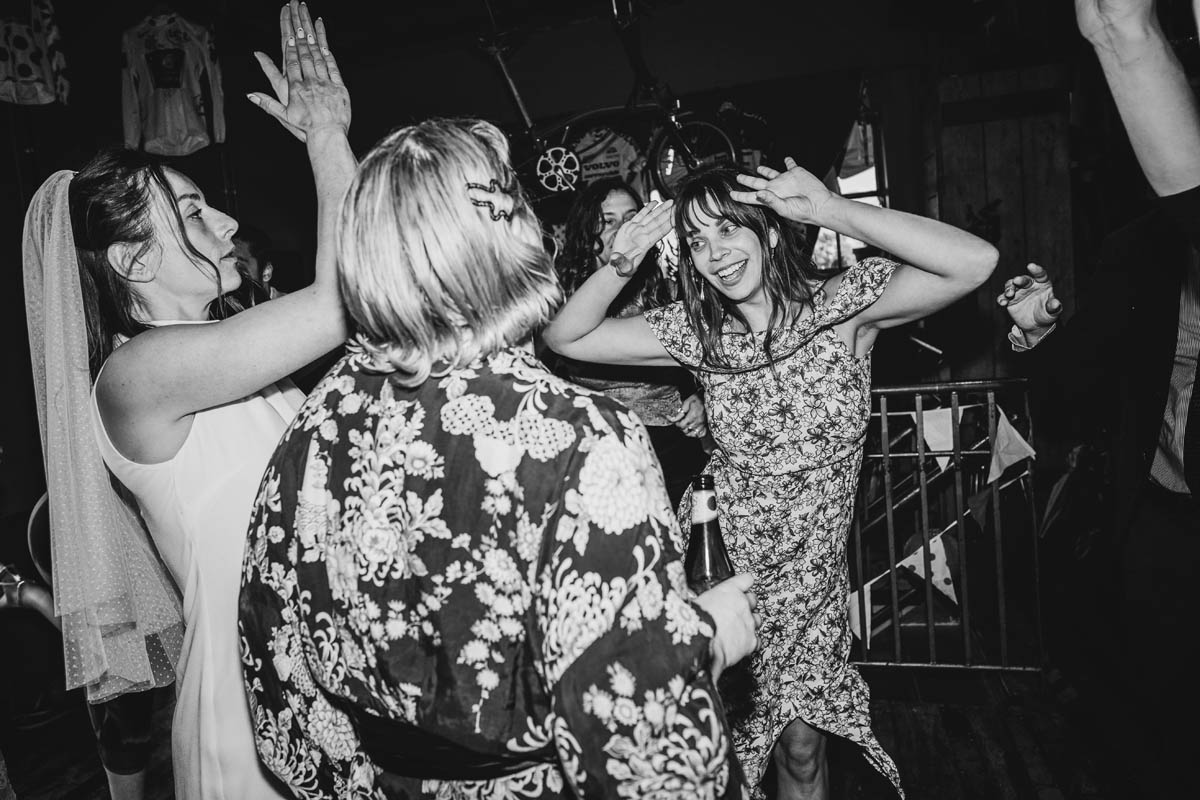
[(584, 310), (925, 243), (37, 598), (1156, 103), (333, 165)]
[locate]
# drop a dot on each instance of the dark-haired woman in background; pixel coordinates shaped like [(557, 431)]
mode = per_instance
[(124, 261), (668, 401), (783, 353)]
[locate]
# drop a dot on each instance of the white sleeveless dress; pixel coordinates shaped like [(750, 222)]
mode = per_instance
[(197, 506)]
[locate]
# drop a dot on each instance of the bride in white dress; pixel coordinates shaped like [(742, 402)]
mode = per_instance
[(185, 411)]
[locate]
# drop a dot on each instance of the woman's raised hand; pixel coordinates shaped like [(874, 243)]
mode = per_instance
[(309, 92), (794, 194), (635, 238)]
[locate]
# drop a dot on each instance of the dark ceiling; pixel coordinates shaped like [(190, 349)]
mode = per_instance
[(363, 22), (361, 28)]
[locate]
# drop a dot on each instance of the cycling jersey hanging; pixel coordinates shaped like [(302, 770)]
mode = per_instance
[(32, 69), (607, 153), (171, 95)]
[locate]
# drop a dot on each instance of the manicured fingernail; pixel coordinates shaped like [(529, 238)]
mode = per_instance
[(300, 32), (312, 39), (324, 51), (291, 41), (252, 99)]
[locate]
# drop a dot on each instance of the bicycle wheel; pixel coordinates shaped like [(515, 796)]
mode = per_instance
[(709, 145)]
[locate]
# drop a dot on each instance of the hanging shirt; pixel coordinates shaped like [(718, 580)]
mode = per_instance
[(171, 87), (32, 69)]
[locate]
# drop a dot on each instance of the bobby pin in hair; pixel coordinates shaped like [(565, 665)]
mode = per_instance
[(499, 196)]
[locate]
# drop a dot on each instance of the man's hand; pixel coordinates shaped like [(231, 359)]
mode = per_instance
[(1030, 302)]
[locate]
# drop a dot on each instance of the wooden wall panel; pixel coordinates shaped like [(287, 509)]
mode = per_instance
[(1003, 168)]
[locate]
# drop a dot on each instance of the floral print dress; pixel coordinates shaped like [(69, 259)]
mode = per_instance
[(471, 589), (790, 439)]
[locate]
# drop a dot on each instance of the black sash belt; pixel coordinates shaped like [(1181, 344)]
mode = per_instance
[(406, 750)]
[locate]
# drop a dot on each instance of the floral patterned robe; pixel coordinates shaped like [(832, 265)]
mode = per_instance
[(483, 564), (790, 441)]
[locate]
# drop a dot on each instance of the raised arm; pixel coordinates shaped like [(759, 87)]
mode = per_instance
[(1150, 88), (164, 375), (312, 103), (941, 262), (583, 332)]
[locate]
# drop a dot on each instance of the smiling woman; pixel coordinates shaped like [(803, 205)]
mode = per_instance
[(783, 355), (758, 262)]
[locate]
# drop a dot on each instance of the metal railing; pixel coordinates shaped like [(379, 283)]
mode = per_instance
[(943, 556)]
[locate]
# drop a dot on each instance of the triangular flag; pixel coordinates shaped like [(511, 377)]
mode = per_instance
[(1008, 449), (1056, 502), (939, 432), (938, 566), (852, 610), (977, 505)]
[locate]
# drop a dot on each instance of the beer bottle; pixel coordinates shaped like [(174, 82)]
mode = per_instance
[(706, 563)]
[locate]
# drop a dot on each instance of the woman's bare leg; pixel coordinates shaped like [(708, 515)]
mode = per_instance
[(800, 765), (127, 787)]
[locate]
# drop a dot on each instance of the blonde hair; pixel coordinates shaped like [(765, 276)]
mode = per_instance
[(428, 275)]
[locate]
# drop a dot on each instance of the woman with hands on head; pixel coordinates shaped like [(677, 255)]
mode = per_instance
[(783, 354), (185, 411), (666, 401)]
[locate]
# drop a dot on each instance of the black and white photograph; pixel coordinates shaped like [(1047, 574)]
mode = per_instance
[(630, 399)]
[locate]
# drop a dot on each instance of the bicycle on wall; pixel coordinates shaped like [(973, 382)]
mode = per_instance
[(553, 158)]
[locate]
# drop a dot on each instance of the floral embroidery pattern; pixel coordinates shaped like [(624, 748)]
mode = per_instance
[(790, 447), (486, 557)]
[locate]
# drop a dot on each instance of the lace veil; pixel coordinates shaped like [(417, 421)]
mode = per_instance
[(121, 616)]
